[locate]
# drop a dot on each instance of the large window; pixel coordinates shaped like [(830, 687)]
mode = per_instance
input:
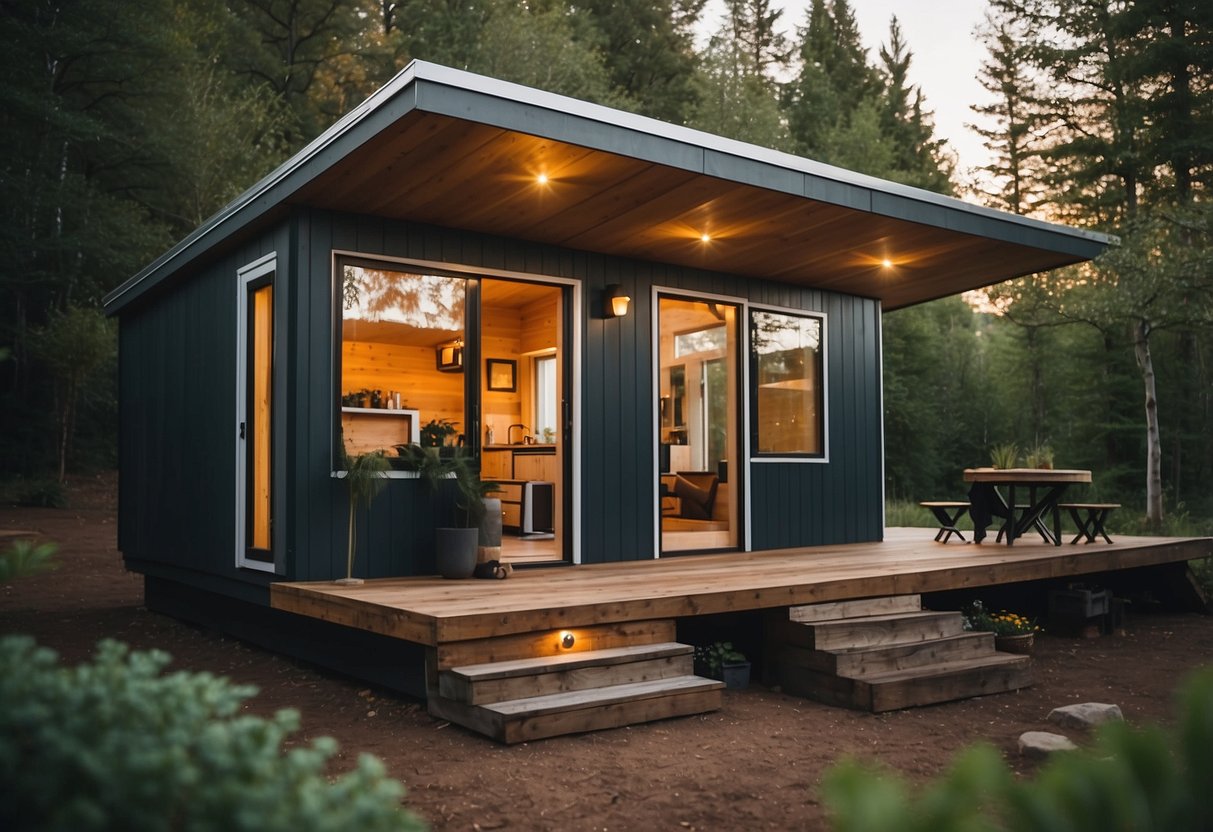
[(787, 374), (403, 342)]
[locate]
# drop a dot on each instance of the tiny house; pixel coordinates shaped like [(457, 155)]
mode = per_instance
[(657, 341)]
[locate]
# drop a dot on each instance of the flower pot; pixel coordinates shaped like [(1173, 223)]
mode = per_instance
[(735, 675), (1022, 643), (455, 551)]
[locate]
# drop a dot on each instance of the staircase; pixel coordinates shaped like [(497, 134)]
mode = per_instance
[(883, 654), (533, 698)]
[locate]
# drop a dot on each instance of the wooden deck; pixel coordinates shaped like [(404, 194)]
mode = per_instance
[(432, 611)]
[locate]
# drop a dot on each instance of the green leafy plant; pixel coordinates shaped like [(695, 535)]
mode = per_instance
[(365, 476), (434, 467), (1001, 623), (1005, 455), (117, 743), (24, 557), (712, 658), (1146, 780), (434, 432)]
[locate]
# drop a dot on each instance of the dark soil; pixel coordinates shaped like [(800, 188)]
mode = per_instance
[(756, 763)]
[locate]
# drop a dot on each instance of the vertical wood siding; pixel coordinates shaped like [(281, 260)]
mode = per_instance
[(178, 356)]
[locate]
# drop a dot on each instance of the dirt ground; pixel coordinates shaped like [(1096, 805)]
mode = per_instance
[(755, 764)]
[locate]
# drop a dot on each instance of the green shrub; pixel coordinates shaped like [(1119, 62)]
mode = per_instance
[(46, 492), (116, 744), (1137, 780), (24, 557)]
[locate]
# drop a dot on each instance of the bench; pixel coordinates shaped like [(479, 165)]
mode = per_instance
[(1089, 518), (948, 514)]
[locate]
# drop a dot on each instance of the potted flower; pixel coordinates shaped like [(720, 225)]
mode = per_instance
[(721, 661), (456, 548), (1041, 456), (1013, 633), (365, 476), (434, 433)]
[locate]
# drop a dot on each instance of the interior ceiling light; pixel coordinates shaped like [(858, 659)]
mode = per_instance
[(887, 263), (705, 237), (542, 179)]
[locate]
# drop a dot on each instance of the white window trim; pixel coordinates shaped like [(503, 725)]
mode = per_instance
[(825, 380), (244, 276)]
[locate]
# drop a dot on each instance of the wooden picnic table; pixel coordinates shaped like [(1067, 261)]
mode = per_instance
[(1044, 487)]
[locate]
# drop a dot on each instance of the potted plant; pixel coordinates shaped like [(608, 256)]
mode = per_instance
[(433, 433), (720, 660), (1013, 633), (456, 548), (365, 476), (1041, 456), (1005, 455)]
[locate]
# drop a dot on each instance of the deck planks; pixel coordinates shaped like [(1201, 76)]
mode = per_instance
[(432, 611)]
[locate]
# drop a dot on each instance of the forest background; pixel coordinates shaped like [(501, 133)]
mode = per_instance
[(125, 125)]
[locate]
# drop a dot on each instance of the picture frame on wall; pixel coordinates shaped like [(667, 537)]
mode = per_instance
[(502, 374), (450, 357)]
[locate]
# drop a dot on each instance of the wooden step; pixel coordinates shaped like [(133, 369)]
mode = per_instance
[(569, 712), (859, 662), (482, 684), (914, 686), (856, 609), (897, 628)]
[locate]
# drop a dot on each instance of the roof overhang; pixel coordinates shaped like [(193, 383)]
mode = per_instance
[(450, 148)]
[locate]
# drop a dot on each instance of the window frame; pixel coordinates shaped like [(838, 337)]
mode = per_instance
[(471, 347), (823, 399)]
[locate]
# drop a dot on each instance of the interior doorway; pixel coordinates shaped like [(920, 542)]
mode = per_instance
[(698, 416)]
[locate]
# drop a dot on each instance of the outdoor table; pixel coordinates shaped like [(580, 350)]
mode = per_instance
[(1044, 486)]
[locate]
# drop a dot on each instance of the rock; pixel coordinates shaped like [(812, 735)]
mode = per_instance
[(1040, 744), (1085, 715)]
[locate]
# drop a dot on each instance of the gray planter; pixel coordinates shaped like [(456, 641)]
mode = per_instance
[(490, 531), (455, 551), (735, 675)]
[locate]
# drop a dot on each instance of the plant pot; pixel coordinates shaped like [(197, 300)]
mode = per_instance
[(455, 551), (1021, 644), (490, 531), (735, 675)]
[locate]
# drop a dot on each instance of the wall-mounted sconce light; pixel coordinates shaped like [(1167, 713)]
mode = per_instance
[(567, 640), (615, 302)]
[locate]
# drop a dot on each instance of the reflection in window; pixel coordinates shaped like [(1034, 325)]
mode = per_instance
[(785, 351), (393, 327)]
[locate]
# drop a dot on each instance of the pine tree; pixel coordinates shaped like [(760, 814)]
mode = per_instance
[(1014, 142), (648, 49)]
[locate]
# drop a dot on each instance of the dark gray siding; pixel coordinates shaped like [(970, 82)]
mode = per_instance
[(793, 503), (177, 361)]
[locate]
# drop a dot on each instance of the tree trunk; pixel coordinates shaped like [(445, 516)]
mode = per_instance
[(1141, 349)]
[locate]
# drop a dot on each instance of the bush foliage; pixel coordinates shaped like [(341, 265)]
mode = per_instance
[(1146, 780), (117, 744)]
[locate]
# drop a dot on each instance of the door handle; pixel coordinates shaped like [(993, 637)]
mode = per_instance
[(242, 430)]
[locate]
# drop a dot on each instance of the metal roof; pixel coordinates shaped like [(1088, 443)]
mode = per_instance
[(451, 148)]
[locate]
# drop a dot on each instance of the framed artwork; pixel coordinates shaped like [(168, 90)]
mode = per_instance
[(450, 357), (502, 374)]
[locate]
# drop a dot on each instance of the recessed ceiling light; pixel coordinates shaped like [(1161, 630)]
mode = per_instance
[(887, 263), (705, 237), (542, 179)]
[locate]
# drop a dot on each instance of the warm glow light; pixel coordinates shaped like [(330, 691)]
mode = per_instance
[(542, 179), (615, 301), (705, 237), (887, 263), (567, 640)]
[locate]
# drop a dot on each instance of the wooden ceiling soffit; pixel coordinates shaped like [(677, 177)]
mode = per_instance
[(346, 185)]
